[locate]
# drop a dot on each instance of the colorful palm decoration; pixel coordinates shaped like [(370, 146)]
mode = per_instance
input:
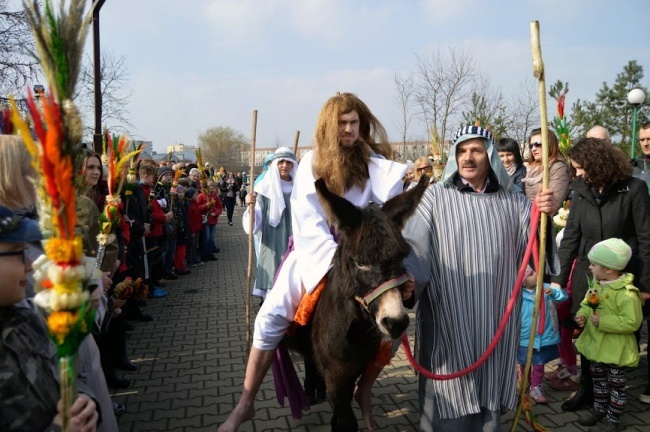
[(558, 92), (64, 276), (116, 157)]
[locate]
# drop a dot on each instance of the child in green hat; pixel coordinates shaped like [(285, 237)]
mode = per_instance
[(610, 314)]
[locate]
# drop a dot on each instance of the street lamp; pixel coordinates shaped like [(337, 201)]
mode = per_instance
[(97, 136), (635, 97)]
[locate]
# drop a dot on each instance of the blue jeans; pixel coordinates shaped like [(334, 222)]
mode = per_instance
[(207, 240)]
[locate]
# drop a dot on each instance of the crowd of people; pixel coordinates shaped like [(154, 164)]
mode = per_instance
[(459, 264), (168, 216)]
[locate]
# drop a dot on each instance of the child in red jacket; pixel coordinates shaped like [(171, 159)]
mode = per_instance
[(196, 226), (210, 206)]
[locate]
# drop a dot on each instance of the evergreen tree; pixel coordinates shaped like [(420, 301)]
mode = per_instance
[(611, 108)]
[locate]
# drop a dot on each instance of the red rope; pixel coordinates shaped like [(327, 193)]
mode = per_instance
[(532, 247)]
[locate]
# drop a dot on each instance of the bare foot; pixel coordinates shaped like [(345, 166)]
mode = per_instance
[(363, 397), (238, 416)]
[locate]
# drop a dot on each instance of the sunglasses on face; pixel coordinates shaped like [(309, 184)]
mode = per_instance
[(426, 168), (535, 144), (21, 253)]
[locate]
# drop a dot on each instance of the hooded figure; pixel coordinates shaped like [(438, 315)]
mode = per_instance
[(272, 216), (468, 237), (496, 170)]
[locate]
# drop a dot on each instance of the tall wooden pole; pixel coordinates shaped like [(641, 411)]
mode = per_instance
[(295, 144), (251, 246), (538, 72)]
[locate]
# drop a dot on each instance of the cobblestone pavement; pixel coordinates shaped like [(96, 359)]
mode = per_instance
[(191, 363)]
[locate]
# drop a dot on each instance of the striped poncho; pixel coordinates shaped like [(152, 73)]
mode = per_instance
[(467, 248)]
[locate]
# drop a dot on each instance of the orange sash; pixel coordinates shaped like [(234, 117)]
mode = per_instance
[(306, 311)]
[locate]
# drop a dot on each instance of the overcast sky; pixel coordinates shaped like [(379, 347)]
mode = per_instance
[(204, 63)]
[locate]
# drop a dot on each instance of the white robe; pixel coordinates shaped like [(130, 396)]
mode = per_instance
[(314, 244)]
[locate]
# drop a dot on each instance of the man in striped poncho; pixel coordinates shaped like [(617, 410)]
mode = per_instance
[(468, 237)]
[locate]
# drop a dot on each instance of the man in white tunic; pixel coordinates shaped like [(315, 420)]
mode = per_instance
[(350, 153), (272, 217), (468, 235)]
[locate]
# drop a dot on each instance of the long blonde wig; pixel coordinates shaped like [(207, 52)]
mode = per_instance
[(17, 192), (341, 167)]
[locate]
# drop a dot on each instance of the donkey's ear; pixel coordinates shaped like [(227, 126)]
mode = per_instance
[(400, 207), (344, 215)]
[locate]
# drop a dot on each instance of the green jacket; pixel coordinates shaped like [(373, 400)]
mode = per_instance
[(619, 308)]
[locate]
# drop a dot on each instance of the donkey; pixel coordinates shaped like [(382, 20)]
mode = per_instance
[(361, 304)]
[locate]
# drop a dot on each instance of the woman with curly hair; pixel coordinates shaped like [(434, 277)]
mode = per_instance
[(607, 203), (558, 171)]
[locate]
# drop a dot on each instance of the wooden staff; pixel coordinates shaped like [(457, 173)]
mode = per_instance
[(295, 144), (538, 72), (251, 247)]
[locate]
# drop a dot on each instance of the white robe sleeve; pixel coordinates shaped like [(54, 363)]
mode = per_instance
[(257, 223)]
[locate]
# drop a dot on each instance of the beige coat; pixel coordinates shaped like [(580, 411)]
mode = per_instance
[(559, 180)]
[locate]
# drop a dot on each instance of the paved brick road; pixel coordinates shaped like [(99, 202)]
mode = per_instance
[(191, 359)]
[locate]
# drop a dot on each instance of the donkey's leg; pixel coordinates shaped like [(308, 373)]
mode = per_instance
[(314, 383), (340, 398)]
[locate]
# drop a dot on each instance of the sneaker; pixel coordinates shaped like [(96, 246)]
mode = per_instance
[(537, 394), (118, 409), (559, 372), (645, 396), (564, 384), (158, 293), (592, 418)]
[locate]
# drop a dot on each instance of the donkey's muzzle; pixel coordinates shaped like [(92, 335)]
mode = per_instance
[(395, 326)]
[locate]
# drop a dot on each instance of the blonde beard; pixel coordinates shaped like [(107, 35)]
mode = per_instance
[(343, 167)]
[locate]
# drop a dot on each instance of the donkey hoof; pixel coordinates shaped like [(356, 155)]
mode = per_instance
[(315, 396)]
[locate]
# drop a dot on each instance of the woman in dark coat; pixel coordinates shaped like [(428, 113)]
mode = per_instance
[(607, 203)]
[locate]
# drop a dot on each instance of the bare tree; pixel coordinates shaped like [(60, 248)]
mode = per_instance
[(116, 94), (18, 65), (488, 108), (443, 85), (223, 146), (404, 97), (524, 112)]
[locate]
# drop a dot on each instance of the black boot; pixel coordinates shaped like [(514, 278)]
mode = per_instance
[(584, 396), (125, 364), (113, 381)]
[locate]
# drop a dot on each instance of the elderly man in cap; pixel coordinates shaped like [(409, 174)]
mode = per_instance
[(272, 216), (468, 238)]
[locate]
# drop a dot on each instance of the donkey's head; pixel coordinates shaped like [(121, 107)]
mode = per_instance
[(369, 258)]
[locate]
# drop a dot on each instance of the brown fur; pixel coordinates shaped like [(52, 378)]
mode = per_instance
[(344, 338)]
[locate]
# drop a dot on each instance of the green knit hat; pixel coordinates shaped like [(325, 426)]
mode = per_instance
[(611, 253)]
